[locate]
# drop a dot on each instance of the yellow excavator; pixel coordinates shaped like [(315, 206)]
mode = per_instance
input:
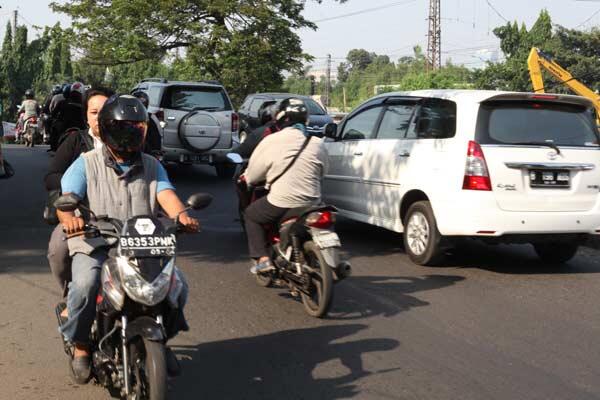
[(538, 59)]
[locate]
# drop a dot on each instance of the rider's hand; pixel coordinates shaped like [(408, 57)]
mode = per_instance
[(73, 225), (190, 225)]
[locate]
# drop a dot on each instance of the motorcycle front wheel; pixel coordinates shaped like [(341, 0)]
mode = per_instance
[(321, 282), (148, 370)]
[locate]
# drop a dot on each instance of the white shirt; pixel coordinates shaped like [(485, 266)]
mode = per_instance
[(97, 142)]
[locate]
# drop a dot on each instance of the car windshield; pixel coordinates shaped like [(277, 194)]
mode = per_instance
[(537, 122), (188, 98)]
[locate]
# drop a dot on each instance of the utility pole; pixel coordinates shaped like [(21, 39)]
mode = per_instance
[(328, 81), (434, 36), (14, 24)]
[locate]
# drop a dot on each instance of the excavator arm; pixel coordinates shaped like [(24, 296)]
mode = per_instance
[(538, 60)]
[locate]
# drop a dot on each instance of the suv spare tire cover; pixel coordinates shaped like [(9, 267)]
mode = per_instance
[(199, 131)]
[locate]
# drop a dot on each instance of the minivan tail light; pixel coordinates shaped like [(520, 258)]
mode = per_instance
[(320, 220), (476, 176), (235, 122)]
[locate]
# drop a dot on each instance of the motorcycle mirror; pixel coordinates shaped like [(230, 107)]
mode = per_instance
[(199, 200), (67, 202), (330, 130), (234, 158)]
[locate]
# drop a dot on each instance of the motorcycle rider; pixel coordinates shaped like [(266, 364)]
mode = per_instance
[(57, 89), (132, 183), (28, 109), (153, 138), (291, 184), (78, 141), (67, 113)]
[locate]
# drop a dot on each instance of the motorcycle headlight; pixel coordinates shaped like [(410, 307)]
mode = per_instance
[(147, 293), (111, 285)]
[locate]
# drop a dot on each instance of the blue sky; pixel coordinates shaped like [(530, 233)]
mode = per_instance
[(392, 27)]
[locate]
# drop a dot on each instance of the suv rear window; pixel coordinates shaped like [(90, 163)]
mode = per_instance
[(314, 108), (522, 122), (188, 98)]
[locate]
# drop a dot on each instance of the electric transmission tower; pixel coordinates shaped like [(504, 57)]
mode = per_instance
[(434, 36)]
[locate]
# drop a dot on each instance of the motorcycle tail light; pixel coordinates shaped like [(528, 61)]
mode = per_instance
[(320, 219)]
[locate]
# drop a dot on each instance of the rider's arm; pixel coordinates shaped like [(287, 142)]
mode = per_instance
[(73, 181), (259, 163), (170, 202)]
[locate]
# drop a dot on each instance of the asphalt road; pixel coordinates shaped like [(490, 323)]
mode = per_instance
[(494, 323)]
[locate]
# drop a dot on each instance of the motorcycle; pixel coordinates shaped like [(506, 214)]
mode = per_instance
[(137, 307), (304, 249), (31, 132)]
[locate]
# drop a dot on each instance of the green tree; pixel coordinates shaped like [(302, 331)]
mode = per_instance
[(244, 43)]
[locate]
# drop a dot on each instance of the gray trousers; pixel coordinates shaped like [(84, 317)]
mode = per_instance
[(58, 257)]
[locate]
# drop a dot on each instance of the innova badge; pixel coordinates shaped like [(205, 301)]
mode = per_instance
[(552, 155), (145, 226)]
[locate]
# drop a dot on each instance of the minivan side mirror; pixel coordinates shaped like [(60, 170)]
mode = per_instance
[(199, 200), (67, 202), (330, 130)]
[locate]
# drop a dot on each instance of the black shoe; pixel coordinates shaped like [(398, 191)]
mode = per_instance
[(81, 369), (173, 367)]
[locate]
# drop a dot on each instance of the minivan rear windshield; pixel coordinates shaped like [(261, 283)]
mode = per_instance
[(522, 122), (188, 98)]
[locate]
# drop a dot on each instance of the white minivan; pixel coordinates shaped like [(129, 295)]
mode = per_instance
[(443, 164)]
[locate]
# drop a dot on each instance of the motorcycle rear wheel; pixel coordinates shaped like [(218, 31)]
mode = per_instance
[(318, 304), (149, 370)]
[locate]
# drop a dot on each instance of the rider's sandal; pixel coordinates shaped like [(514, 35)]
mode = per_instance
[(262, 267)]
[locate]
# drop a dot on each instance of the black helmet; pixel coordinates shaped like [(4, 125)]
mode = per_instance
[(29, 94), (143, 96), (56, 89), (266, 112), (123, 124), (291, 111)]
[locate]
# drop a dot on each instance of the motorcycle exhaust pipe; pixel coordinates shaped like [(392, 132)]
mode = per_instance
[(343, 270)]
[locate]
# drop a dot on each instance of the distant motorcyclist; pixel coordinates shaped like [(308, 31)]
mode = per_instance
[(291, 164), (28, 109), (268, 125), (153, 144), (68, 113)]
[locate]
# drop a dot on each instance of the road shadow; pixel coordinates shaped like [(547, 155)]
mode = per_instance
[(384, 296), (517, 260), (312, 363)]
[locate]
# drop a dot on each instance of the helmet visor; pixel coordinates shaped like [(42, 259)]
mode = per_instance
[(124, 136)]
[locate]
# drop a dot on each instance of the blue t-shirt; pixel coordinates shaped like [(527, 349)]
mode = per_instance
[(75, 180)]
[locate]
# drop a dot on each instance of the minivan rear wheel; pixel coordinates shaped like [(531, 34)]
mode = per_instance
[(422, 240), (556, 252)]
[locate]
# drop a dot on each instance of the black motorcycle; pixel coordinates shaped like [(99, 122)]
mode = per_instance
[(137, 309), (304, 249)]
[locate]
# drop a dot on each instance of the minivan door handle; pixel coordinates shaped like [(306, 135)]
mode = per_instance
[(404, 154), (171, 118), (359, 153)]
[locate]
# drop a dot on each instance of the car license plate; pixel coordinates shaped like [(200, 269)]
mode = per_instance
[(326, 239), (196, 158), (555, 179)]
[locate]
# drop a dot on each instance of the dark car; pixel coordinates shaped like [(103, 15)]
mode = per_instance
[(249, 119)]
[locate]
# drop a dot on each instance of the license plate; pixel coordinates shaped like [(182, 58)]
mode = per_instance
[(197, 158), (556, 179), (326, 239)]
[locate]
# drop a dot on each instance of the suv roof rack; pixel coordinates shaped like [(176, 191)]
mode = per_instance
[(160, 80), (211, 81)]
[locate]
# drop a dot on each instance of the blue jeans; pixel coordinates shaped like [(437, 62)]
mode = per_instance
[(83, 289)]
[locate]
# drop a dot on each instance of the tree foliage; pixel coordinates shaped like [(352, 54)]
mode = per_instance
[(246, 44)]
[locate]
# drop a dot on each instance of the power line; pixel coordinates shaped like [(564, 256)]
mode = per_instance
[(399, 3), (495, 10), (589, 19)]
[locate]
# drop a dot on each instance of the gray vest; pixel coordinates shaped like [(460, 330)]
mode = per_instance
[(116, 197)]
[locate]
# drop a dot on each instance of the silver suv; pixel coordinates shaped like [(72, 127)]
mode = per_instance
[(199, 125)]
